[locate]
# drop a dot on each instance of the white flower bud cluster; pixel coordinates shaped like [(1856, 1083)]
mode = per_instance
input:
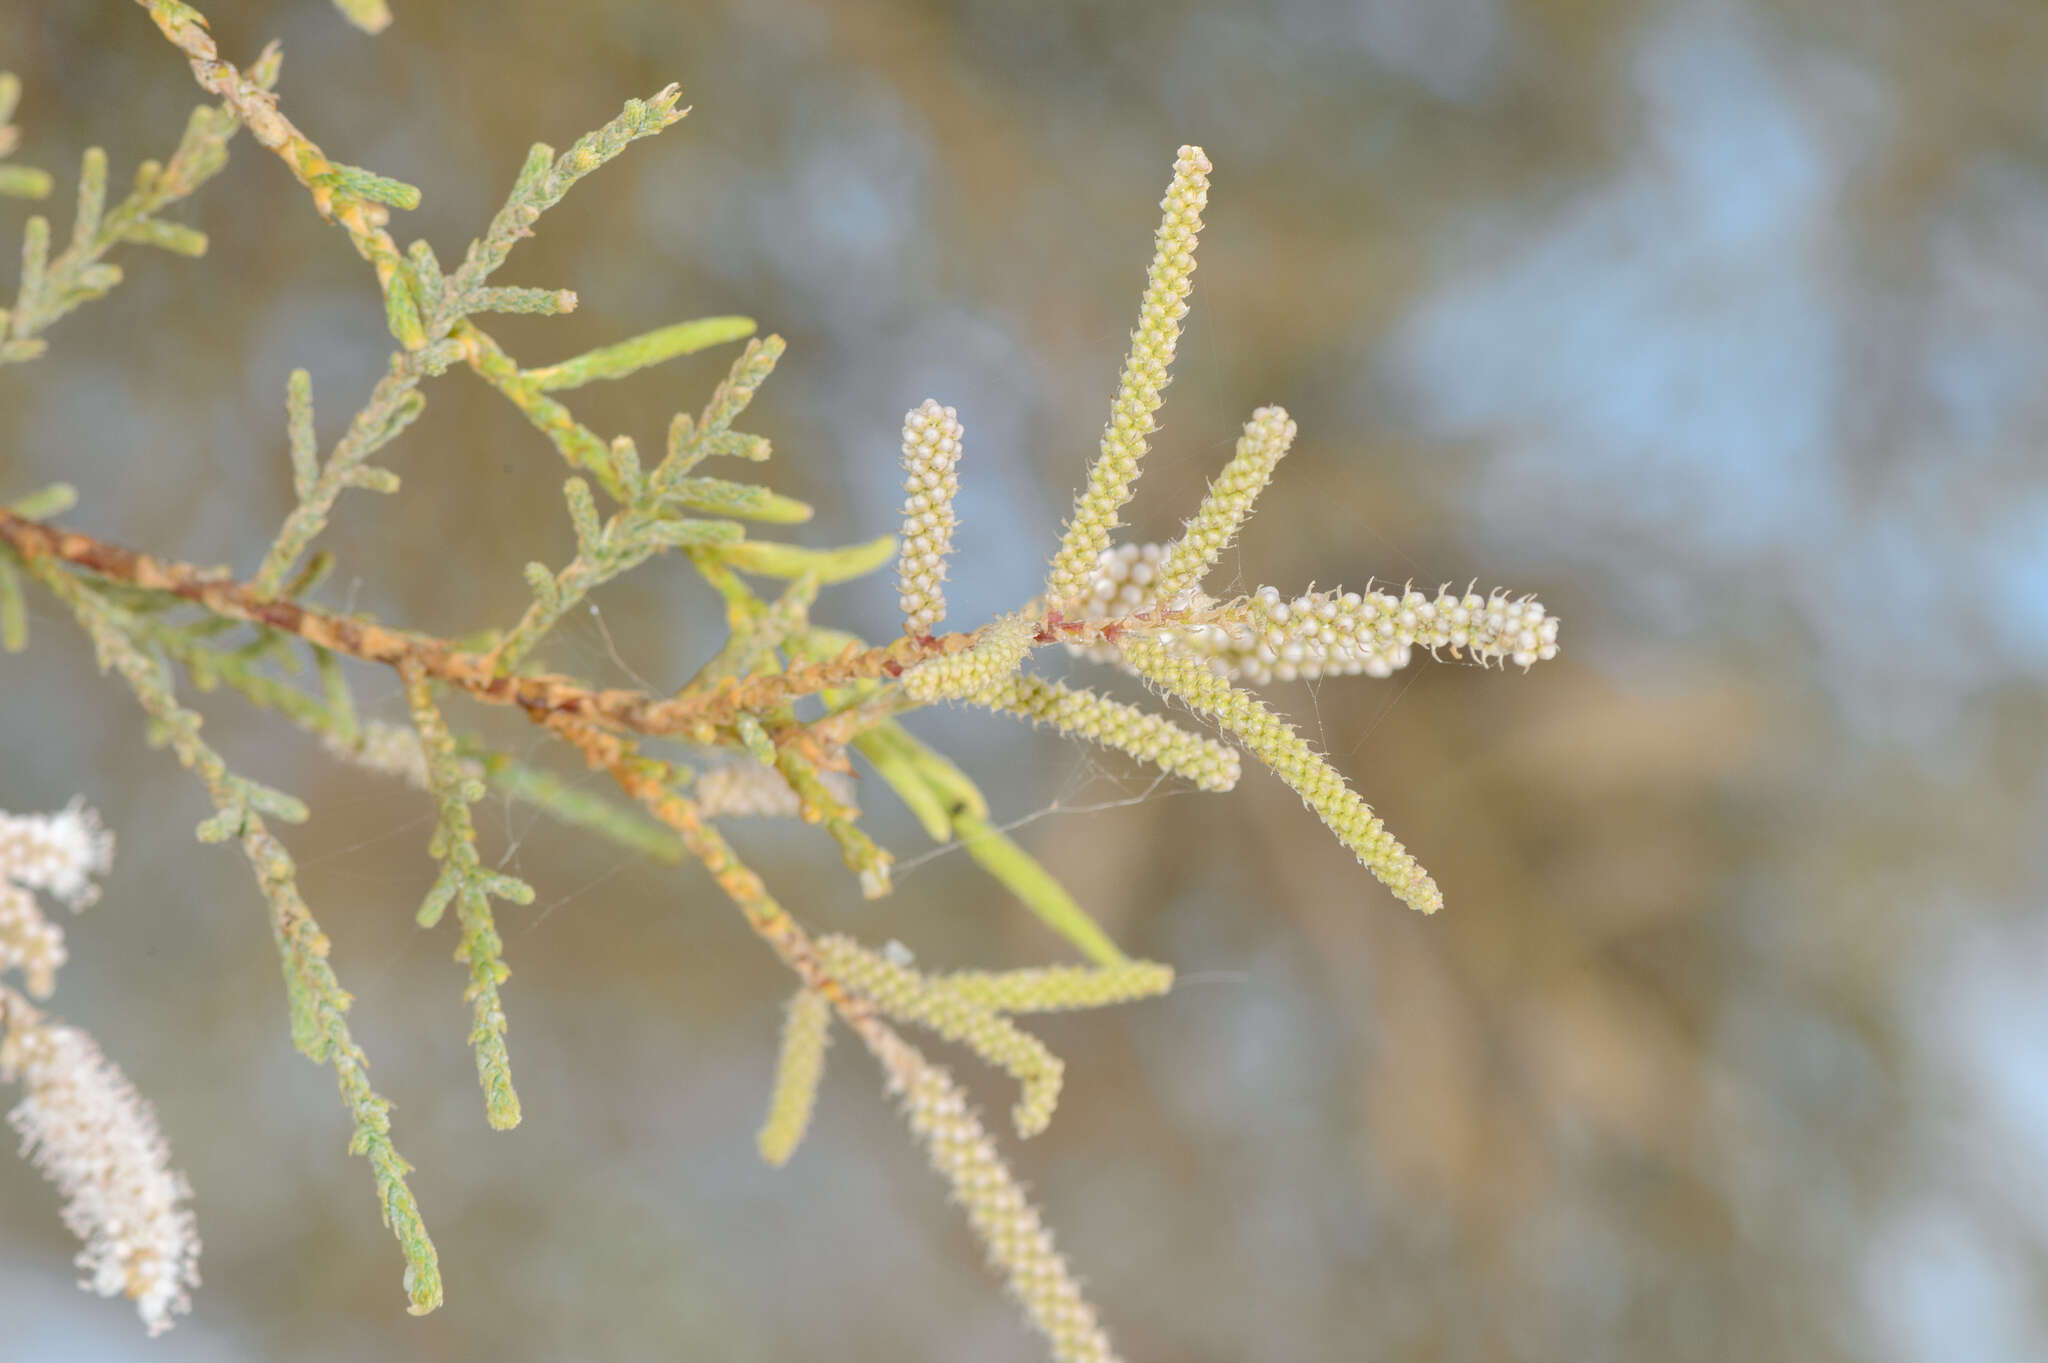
[(746, 789), (58, 853), (1126, 583), (932, 437), (84, 1126), (1324, 634)]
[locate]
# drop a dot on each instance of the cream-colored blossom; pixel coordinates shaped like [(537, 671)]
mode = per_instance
[(932, 437), (1143, 382), (1016, 1236), (87, 1130), (58, 854)]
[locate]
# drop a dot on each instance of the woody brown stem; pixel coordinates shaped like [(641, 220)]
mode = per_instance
[(701, 716), (650, 783)]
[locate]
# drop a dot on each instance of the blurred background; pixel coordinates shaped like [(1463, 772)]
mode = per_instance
[(1720, 326)]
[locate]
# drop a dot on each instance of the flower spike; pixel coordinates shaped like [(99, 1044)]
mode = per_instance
[(931, 448), (1143, 383), (1189, 558)]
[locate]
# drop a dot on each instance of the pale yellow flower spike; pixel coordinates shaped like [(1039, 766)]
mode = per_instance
[(1113, 724), (1279, 747), (1017, 1239), (1053, 989), (975, 671), (902, 993), (806, 1029), (1144, 379), (1188, 559), (932, 438)]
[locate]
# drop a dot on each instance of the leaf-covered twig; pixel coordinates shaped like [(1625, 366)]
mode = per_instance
[(319, 1005), (650, 520), (51, 287), (465, 882)]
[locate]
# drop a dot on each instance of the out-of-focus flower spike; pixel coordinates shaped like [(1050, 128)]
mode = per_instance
[(904, 994), (87, 1130), (59, 853), (1053, 989), (806, 1029), (56, 853), (1016, 1236)]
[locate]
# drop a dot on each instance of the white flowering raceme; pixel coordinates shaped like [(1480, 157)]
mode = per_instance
[(59, 854), (1322, 634), (932, 437), (84, 1126)]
